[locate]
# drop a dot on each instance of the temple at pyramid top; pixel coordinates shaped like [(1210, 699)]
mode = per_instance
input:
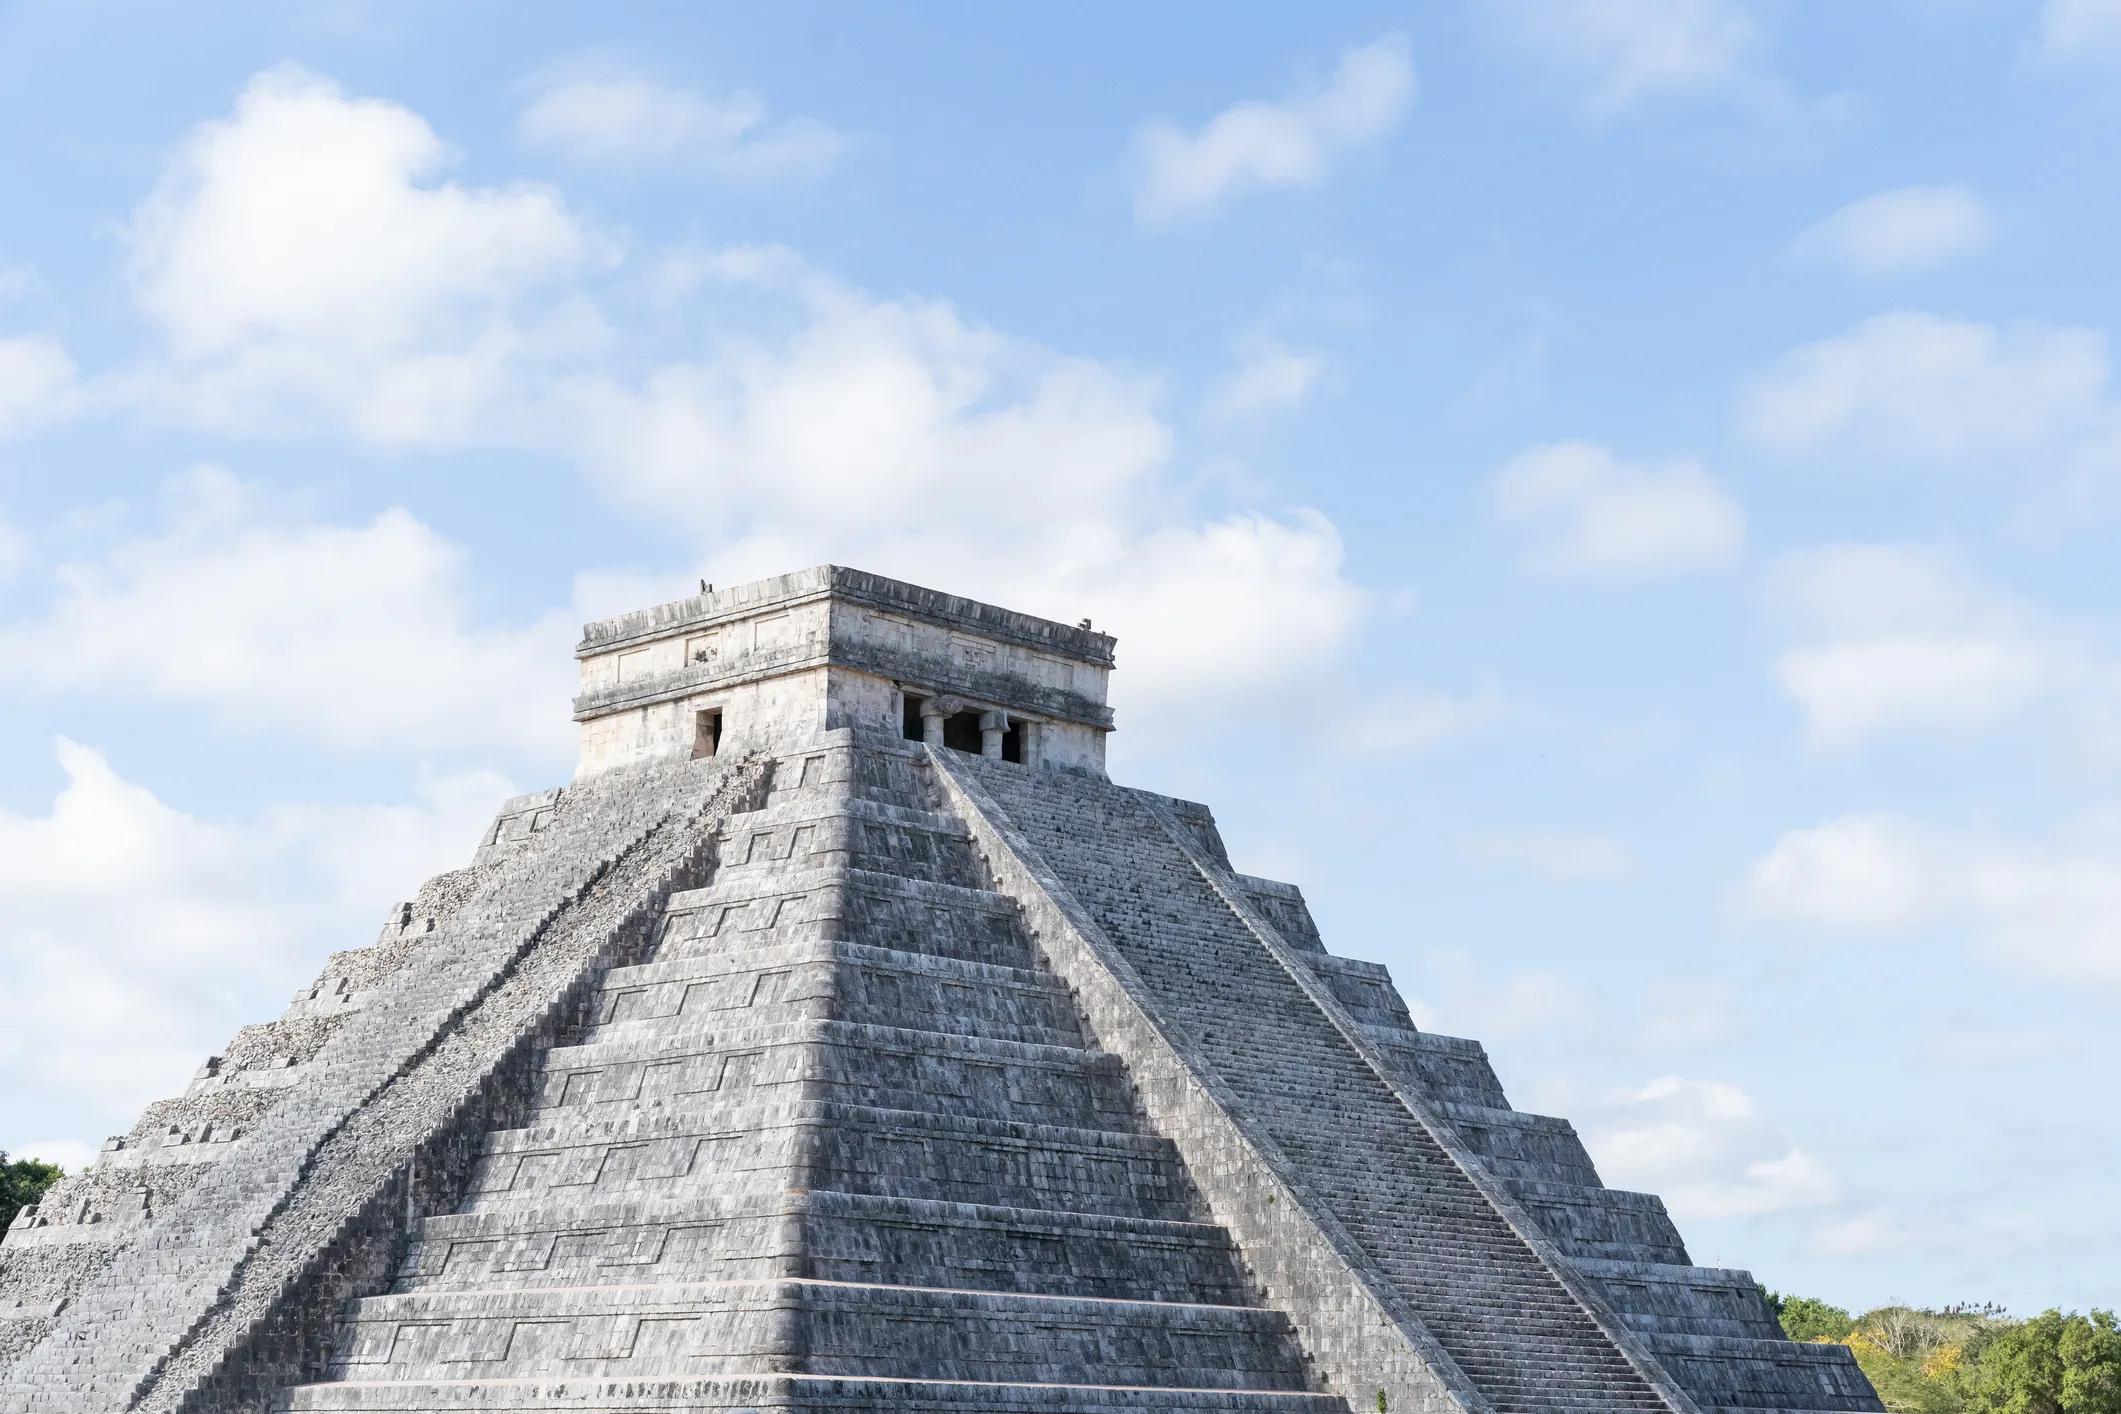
[(841, 1040), (760, 665)]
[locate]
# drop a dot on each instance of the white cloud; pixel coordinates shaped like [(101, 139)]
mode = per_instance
[(352, 635), (901, 436), (2080, 31), (36, 382), (860, 411), (1703, 1146), (1406, 721), (140, 936), (1626, 53), (1945, 685), (1923, 386), (608, 115), (1270, 377), (14, 550), (1857, 872), (1864, 1234), (811, 421), (1900, 232), (1555, 856), (1291, 143), (303, 256), (1594, 514), (1896, 641), (2052, 909)]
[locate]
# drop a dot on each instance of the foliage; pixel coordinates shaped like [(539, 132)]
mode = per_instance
[(22, 1182), (2051, 1364), (1804, 1318), (1972, 1359)]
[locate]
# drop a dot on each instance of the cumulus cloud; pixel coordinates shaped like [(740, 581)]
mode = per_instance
[(356, 636), (601, 114), (808, 420), (1857, 872), (1269, 377), (37, 382), (1554, 856), (1626, 53), (849, 410), (163, 932), (1591, 513), (1704, 1147), (1931, 388), (14, 550), (1901, 232), (903, 436), (2080, 31), (1894, 640), (2053, 909), (305, 255), (1955, 684), (1293, 142)]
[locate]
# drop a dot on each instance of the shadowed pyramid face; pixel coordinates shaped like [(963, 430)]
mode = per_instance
[(842, 1040), (767, 665)]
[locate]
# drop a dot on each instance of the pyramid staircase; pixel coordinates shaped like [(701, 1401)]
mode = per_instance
[(838, 1142), (1546, 1289)]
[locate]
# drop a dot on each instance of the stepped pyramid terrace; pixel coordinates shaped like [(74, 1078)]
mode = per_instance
[(843, 1039)]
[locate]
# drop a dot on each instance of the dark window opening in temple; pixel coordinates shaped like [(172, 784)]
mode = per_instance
[(961, 732), (706, 733), (910, 718), (1013, 743)]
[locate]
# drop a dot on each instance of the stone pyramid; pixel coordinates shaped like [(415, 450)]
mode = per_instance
[(843, 1040)]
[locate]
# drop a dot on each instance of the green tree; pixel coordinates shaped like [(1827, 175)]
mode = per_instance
[(22, 1182), (2051, 1364), (1805, 1318)]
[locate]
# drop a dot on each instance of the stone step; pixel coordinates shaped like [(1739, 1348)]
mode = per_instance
[(851, 832), (721, 1147), (843, 980), (741, 1327), (890, 1067), (1675, 1299), (882, 910), (1764, 1374), (1371, 1163), (832, 1236), (1591, 1221), (1516, 1144), (790, 1394)]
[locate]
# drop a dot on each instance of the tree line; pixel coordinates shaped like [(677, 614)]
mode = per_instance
[(1971, 1359)]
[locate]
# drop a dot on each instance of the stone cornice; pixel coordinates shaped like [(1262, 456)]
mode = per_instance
[(852, 586)]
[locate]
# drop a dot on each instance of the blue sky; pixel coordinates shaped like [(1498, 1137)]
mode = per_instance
[(1616, 499)]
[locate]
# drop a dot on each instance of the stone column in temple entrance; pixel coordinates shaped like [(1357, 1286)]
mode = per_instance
[(992, 726), (1028, 734), (932, 721)]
